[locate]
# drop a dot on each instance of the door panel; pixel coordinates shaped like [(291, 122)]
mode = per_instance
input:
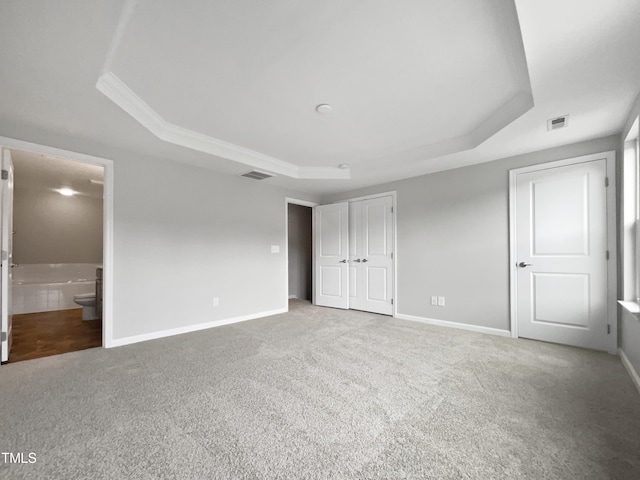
[(6, 243), (561, 244), (371, 254), (331, 237), (561, 227)]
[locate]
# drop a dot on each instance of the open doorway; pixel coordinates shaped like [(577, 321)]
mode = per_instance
[(55, 281), (299, 250)]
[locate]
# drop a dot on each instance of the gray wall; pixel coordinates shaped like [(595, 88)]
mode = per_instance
[(453, 236), (51, 228), (187, 235), (300, 242)]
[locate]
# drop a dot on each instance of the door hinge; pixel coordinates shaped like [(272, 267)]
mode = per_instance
[(608, 329), (5, 174), (3, 337), (392, 301), (391, 209), (606, 181), (607, 255), (391, 255)]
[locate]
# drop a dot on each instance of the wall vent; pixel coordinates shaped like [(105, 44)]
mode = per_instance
[(256, 175), (558, 122)]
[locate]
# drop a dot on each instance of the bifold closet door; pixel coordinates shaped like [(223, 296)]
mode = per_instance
[(371, 255), (331, 249)]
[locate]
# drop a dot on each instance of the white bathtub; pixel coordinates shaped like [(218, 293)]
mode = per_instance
[(48, 287)]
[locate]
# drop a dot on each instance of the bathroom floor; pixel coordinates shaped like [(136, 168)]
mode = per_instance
[(43, 334)]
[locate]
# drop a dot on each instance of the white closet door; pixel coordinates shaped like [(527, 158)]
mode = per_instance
[(371, 255), (331, 242)]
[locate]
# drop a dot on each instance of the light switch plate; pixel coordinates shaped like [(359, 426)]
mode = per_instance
[(441, 301), (434, 300)]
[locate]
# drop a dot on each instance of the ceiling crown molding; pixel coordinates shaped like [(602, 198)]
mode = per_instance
[(119, 93)]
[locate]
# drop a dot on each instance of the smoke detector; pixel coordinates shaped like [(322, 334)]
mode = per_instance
[(256, 175), (558, 122)]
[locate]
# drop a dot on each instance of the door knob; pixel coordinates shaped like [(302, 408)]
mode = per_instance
[(357, 260), (365, 260), (523, 265), (343, 261)]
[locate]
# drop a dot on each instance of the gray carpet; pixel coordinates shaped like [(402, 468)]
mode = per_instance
[(323, 393)]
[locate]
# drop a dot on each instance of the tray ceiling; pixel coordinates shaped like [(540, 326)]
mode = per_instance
[(241, 80)]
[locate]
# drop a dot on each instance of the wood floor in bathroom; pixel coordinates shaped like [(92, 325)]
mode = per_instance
[(43, 334)]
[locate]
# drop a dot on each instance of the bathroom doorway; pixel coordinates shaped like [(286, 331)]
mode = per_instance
[(56, 272)]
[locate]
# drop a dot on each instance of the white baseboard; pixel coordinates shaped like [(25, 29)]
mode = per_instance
[(291, 297), (118, 342), (462, 326), (632, 371)]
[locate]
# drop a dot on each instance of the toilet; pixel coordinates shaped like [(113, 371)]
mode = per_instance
[(88, 303)]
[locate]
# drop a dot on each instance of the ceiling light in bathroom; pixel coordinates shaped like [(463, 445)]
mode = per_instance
[(66, 191)]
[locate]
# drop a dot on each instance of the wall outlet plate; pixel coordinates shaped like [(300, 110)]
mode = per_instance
[(216, 301), (275, 248)]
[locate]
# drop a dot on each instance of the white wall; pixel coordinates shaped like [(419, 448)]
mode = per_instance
[(51, 228), (184, 235), (453, 236)]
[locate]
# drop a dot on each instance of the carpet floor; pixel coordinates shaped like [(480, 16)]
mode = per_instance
[(319, 393)]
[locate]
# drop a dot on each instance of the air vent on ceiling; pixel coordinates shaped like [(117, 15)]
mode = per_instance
[(558, 122), (256, 175)]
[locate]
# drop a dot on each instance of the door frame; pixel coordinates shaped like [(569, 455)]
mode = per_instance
[(304, 203), (107, 238), (610, 160), (394, 237)]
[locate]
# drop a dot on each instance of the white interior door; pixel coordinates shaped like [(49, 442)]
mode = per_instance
[(331, 249), (6, 244), (561, 254), (371, 255)]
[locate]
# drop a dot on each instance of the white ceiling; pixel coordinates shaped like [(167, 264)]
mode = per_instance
[(34, 171), (409, 84)]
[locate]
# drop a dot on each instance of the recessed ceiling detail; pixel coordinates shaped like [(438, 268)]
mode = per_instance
[(413, 81)]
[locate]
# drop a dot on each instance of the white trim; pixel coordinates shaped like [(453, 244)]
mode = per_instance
[(610, 158), (631, 307), (118, 342), (119, 93), (107, 255), (629, 366), (293, 297), (462, 326), (304, 203)]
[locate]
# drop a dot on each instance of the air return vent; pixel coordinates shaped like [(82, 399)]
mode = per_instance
[(256, 175), (558, 122)]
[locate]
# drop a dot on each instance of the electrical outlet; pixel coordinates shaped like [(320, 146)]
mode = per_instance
[(275, 248), (434, 300), (216, 301), (441, 301)]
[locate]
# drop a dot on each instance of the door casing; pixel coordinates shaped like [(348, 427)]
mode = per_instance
[(107, 240), (610, 158)]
